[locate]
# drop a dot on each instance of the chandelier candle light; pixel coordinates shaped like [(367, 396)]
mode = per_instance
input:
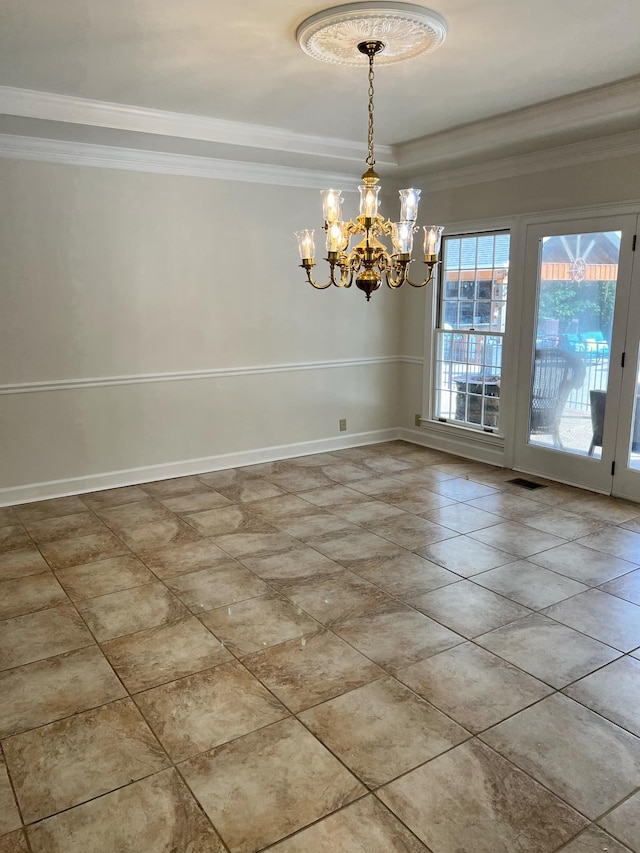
[(369, 261)]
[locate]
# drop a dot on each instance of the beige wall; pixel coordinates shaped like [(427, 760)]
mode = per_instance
[(599, 183), (110, 273)]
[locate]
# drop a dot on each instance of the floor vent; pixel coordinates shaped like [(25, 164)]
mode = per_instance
[(526, 484)]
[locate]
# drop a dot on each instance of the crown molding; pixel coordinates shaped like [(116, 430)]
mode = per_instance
[(165, 163), (132, 159), (48, 106), (575, 154), (592, 108)]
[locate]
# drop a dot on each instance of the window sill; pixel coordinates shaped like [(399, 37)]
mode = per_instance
[(470, 433)]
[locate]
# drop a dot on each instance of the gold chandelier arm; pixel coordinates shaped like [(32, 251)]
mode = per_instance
[(307, 267), (395, 271), (347, 267), (427, 280), (344, 268), (397, 280)]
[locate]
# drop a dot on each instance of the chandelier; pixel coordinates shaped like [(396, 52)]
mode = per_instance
[(370, 261)]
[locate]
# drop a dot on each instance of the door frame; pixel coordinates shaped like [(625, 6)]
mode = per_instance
[(583, 471), (626, 480)]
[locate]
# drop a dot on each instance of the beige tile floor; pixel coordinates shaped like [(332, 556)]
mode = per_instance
[(377, 650)]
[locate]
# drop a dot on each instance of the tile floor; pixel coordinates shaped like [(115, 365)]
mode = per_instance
[(377, 650)]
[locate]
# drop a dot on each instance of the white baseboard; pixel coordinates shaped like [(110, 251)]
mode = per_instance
[(132, 476), (627, 495), (568, 482), (468, 447), (465, 444)]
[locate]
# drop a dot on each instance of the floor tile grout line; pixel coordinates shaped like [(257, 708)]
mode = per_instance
[(561, 692), (555, 572), (201, 808), (538, 678), (460, 475), (519, 769), (569, 842), (31, 823), (170, 766), (11, 783), (554, 693), (617, 805), (583, 633), (124, 545), (272, 845), (370, 790), (386, 671), (539, 782), (517, 556), (548, 606)]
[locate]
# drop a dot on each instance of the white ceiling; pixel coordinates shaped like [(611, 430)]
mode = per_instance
[(239, 61)]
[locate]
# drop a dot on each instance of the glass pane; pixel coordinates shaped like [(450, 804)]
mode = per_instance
[(484, 290), (634, 449), (451, 290), (468, 378), (475, 270), (465, 319), (467, 289), (451, 315), (576, 297)]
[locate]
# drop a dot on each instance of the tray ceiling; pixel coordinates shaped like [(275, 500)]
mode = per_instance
[(239, 62)]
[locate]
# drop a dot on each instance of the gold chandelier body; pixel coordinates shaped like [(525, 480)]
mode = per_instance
[(369, 261)]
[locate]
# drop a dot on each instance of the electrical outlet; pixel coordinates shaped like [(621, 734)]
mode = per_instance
[(343, 424), (418, 420)]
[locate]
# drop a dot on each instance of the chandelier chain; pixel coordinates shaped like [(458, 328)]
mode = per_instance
[(371, 160)]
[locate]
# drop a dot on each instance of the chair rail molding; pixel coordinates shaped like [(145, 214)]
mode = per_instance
[(191, 375)]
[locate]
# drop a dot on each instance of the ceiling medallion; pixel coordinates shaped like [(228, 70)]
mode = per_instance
[(405, 29)]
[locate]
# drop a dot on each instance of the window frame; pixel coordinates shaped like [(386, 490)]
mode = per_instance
[(450, 426)]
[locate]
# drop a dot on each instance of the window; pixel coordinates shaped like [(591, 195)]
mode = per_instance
[(470, 323)]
